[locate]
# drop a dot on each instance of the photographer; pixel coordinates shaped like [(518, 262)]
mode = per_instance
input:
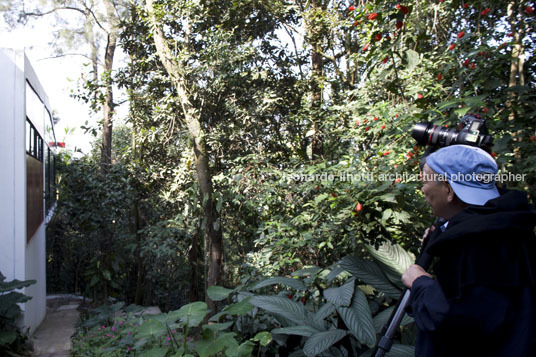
[(482, 300)]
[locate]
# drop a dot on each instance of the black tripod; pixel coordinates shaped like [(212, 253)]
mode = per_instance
[(388, 332)]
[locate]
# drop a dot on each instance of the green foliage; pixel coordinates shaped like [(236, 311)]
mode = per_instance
[(117, 331), (337, 314), (12, 339)]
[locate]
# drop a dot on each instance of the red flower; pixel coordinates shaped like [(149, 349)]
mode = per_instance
[(358, 207), (532, 138), (441, 0), (399, 25), (351, 8), (439, 77), (452, 46), (472, 66), (366, 47), (461, 34), (398, 179), (529, 10), (385, 59), (386, 153), (485, 12), (403, 9), (375, 118), (493, 154), (378, 37), (357, 122), (355, 23), (466, 6), (466, 62), (383, 126), (510, 35), (290, 296), (334, 195), (372, 16), (367, 128), (485, 110), (420, 96), (364, 121)]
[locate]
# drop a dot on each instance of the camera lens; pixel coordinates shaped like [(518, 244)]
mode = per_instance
[(419, 132), (430, 134)]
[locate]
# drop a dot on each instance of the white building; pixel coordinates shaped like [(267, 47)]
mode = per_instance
[(27, 180)]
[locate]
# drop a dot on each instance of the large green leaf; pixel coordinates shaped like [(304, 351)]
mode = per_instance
[(358, 319), (282, 306), (392, 256), (151, 328), (296, 330), (263, 337), (326, 310), (15, 284), (398, 350), (321, 341), (240, 308), (209, 347), (370, 273), (293, 283), (342, 295), (155, 352), (382, 318), (218, 293), (192, 313)]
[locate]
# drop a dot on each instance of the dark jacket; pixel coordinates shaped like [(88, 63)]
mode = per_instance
[(482, 301)]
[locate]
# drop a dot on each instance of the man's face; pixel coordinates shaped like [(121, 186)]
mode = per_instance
[(436, 192)]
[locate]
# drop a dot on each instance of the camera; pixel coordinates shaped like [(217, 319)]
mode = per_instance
[(472, 130)]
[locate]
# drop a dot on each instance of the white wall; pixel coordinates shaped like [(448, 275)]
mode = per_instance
[(18, 260)]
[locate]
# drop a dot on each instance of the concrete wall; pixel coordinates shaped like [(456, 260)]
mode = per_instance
[(18, 260)]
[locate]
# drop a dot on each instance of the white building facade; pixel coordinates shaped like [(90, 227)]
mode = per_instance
[(27, 179)]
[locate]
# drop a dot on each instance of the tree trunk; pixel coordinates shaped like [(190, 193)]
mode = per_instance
[(196, 132), (516, 66), (108, 105), (316, 35), (194, 268)]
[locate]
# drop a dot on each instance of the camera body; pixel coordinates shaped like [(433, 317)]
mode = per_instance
[(471, 131)]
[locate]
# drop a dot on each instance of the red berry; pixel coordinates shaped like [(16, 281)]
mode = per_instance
[(452, 46), (485, 110), (383, 126), (466, 6), (472, 66), (355, 23), (334, 195), (378, 37), (385, 60), (485, 12), (439, 77), (466, 62), (366, 47), (358, 207), (367, 128), (420, 96), (375, 118), (351, 8), (399, 25), (398, 179), (461, 34), (372, 16), (529, 10), (493, 154), (386, 153), (403, 9), (303, 300)]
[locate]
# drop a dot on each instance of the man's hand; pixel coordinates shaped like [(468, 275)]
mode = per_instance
[(413, 272)]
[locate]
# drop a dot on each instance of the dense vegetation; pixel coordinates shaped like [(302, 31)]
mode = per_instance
[(267, 137)]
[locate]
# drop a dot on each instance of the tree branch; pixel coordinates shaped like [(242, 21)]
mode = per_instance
[(85, 12)]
